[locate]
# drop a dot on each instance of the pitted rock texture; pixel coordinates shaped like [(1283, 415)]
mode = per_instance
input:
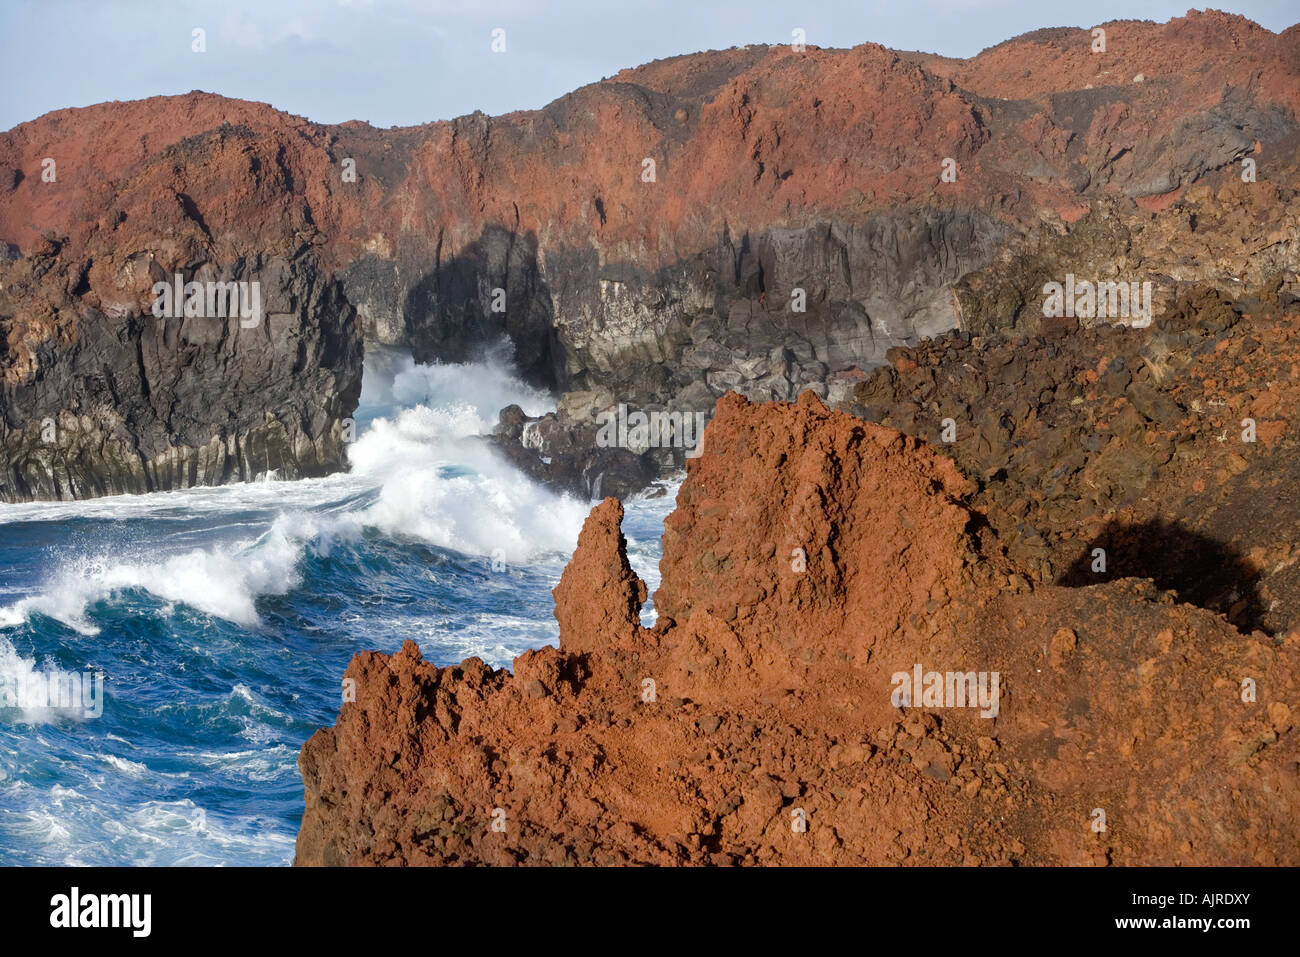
[(756, 722), (1171, 448), (599, 597), (778, 176)]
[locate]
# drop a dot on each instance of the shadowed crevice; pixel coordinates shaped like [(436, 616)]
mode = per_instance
[(1204, 572)]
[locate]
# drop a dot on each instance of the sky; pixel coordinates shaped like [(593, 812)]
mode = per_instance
[(403, 62)]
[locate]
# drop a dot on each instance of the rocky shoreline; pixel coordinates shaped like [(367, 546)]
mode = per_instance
[(815, 563), (955, 576), (758, 220)]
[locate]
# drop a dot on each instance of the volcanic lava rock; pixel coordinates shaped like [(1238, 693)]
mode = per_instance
[(570, 458), (815, 564), (131, 402), (1172, 448)]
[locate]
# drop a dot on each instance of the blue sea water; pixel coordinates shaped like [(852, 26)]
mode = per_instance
[(222, 619)]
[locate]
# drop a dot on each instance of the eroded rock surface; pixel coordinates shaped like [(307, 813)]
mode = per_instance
[(812, 558)]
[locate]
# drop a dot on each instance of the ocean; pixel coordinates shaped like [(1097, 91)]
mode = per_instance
[(221, 620)]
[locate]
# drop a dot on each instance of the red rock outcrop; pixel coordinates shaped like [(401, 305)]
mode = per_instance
[(599, 596), (759, 721)]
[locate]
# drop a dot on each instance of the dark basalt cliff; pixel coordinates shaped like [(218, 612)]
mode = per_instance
[(779, 177), (137, 403)]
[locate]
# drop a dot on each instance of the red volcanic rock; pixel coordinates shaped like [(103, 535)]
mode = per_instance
[(865, 532), (1195, 55), (876, 115), (746, 139), (599, 596), (762, 724)]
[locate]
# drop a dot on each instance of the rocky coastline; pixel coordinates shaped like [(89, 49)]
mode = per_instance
[(961, 571), (758, 220)]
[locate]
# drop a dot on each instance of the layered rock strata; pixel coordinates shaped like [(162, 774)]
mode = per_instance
[(763, 220)]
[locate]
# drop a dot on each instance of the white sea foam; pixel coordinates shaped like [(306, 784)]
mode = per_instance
[(423, 472), (222, 580), (393, 382), (442, 484), (74, 830), (132, 769), (22, 684)]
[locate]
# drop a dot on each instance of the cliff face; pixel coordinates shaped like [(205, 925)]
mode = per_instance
[(814, 565), (137, 403), (98, 394), (650, 234)]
